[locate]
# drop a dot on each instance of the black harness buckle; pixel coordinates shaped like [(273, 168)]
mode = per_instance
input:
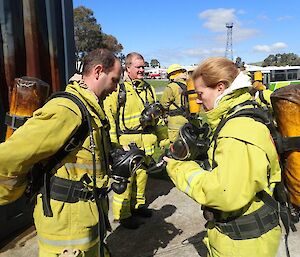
[(85, 194)]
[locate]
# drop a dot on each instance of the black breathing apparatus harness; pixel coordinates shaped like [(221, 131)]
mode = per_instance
[(123, 165), (274, 208), (183, 109), (41, 179), (149, 116)]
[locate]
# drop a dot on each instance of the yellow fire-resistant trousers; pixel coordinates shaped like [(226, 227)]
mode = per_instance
[(132, 198)]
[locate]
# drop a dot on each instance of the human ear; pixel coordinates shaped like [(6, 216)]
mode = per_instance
[(221, 87), (98, 69)]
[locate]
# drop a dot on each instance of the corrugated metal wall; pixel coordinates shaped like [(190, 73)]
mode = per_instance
[(37, 40)]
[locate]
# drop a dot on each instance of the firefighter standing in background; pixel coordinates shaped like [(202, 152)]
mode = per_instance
[(244, 162), (124, 109), (174, 99), (260, 91), (74, 223)]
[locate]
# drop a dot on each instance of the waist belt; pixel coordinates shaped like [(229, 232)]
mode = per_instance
[(176, 112), (250, 226), (70, 191), (15, 121), (147, 130)]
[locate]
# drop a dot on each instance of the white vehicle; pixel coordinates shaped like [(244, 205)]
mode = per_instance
[(275, 77), (155, 73)]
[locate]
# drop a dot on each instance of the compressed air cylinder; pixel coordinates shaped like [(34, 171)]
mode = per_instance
[(194, 107), (257, 76), (257, 81), (28, 94), (286, 106)]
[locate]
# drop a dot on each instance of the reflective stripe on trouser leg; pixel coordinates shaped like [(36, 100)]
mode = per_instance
[(139, 188), (54, 244), (121, 203)]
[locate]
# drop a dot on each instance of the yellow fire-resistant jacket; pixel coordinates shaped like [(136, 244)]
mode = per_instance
[(73, 225), (247, 163), (128, 116), (171, 98)]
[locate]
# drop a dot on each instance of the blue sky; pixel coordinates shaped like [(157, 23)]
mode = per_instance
[(186, 32)]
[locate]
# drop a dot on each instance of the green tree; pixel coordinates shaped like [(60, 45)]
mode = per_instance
[(281, 60), (239, 63), (88, 34), (111, 43), (121, 56), (154, 63)]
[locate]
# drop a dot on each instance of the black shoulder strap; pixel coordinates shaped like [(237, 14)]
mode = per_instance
[(182, 86), (148, 86), (80, 134), (255, 113), (183, 109), (121, 95), (121, 102), (75, 141)]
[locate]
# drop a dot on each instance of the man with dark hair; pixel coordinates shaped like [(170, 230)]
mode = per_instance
[(73, 223)]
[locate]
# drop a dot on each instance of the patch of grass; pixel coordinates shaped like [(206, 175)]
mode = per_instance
[(157, 82)]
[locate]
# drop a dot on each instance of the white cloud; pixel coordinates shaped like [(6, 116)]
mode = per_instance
[(270, 48), (282, 18), (196, 52), (187, 56), (216, 19)]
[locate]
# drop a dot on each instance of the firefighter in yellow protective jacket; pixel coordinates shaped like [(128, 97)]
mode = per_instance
[(74, 223), (174, 99), (124, 109), (243, 162)]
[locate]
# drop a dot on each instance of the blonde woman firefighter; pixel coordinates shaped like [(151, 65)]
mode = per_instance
[(243, 163)]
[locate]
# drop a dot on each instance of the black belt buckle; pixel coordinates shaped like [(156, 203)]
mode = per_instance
[(85, 194)]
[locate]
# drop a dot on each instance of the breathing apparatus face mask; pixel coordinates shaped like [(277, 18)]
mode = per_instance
[(151, 114), (191, 143), (124, 165)]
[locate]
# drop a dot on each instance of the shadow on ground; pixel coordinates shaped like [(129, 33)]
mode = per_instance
[(196, 241), (154, 232)]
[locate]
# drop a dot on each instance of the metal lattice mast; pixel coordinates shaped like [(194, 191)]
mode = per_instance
[(228, 51)]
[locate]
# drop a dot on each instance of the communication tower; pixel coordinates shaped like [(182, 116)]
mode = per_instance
[(228, 51)]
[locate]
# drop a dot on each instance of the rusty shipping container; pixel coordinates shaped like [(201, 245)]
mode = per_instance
[(36, 40)]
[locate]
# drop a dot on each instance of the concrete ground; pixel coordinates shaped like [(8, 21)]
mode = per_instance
[(176, 229)]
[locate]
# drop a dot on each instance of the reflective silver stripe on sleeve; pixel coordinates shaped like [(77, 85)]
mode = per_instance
[(132, 117), (12, 181), (82, 166), (190, 180)]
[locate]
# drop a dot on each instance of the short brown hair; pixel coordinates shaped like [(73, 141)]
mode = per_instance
[(130, 56), (216, 69), (98, 56)]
